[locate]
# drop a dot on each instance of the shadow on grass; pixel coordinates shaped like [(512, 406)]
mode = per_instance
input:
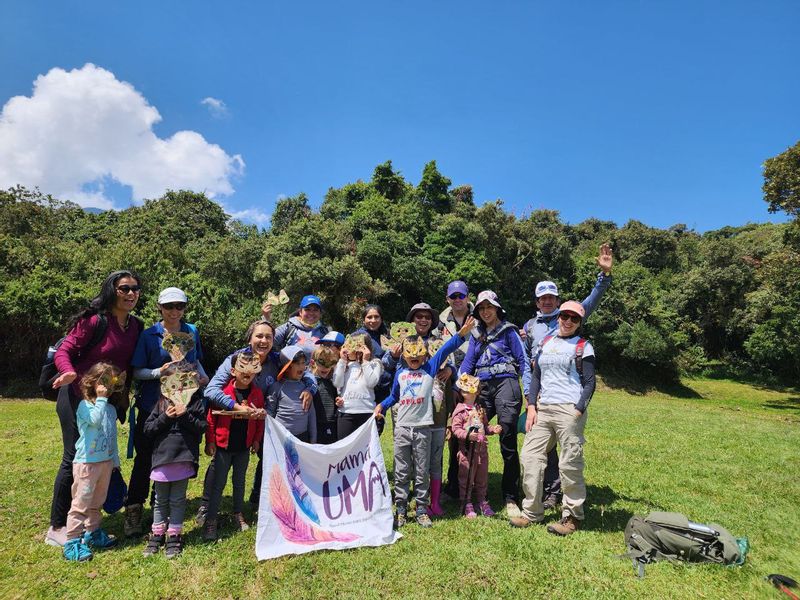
[(792, 403), (639, 386), (602, 515)]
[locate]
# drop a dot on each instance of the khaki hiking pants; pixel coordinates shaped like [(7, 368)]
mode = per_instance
[(555, 423)]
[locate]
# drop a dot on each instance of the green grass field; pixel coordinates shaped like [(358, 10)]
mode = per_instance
[(716, 450)]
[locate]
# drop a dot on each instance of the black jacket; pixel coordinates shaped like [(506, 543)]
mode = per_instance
[(177, 440)]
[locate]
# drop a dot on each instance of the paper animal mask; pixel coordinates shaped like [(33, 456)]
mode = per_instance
[(247, 362), (415, 348), (468, 383), (277, 299), (178, 344), (178, 387)]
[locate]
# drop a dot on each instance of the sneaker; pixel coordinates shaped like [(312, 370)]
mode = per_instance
[(56, 536), (469, 511), (174, 545), (202, 513), (512, 510), (154, 543), (423, 520), (550, 502), (210, 530), (486, 509), (400, 517), (133, 520), (99, 539), (566, 526), (75, 550), (238, 518)]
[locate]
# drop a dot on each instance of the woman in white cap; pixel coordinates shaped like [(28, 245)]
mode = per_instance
[(150, 362), (496, 355), (562, 385)]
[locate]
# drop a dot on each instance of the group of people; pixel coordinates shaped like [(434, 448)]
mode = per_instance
[(323, 386)]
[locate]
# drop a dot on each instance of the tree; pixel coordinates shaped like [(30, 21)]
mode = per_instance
[(388, 183), (432, 189), (782, 181), (288, 210)]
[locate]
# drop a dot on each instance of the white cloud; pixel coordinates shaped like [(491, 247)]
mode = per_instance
[(251, 215), (84, 126), (216, 107)]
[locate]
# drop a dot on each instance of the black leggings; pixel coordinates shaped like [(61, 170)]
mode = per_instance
[(66, 407), (139, 486), (348, 423), (502, 396)]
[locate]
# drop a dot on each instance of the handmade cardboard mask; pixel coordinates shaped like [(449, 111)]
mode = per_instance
[(468, 383), (178, 344), (415, 348), (179, 387), (247, 362), (354, 343), (277, 299)]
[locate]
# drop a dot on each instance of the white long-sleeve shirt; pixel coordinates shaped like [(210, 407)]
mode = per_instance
[(356, 385)]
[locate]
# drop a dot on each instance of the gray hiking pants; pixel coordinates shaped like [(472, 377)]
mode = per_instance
[(412, 450)]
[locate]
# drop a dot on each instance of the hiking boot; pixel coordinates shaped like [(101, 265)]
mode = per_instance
[(423, 520), (154, 543), (520, 522), (75, 550), (200, 517), (512, 510), (56, 536), (469, 511), (133, 520), (401, 517), (210, 530), (550, 502), (566, 526), (99, 539), (174, 545), (238, 518), (486, 509)]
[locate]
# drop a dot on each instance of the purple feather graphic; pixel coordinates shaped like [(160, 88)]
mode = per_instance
[(292, 526), (299, 490)]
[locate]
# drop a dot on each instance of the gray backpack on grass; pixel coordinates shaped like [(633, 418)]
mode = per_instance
[(672, 536)]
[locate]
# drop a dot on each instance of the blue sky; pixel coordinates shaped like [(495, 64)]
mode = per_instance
[(656, 111)]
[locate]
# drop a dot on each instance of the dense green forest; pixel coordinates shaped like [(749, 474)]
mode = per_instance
[(681, 301)]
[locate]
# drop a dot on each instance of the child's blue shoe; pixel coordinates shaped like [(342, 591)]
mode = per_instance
[(75, 550), (99, 539)]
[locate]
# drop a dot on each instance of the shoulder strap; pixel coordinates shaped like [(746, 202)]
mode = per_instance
[(99, 332), (579, 356)]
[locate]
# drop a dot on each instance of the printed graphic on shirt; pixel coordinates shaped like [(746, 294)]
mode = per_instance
[(410, 393)]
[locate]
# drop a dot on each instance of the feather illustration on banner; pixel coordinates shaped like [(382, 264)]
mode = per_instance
[(291, 524), (299, 490)]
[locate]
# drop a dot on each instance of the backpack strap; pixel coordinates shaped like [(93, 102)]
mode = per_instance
[(579, 356), (98, 334)]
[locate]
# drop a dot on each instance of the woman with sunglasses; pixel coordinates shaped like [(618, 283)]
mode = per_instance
[(109, 313), (496, 355), (150, 362), (563, 380)]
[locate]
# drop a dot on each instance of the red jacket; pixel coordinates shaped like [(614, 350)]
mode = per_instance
[(219, 426)]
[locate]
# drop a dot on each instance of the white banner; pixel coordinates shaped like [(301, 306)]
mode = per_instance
[(316, 497)]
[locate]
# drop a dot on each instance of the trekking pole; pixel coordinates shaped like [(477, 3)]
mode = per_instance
[(470, 470)]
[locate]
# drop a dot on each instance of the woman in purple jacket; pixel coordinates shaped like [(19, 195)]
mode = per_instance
[(496, 355), (110, 310)]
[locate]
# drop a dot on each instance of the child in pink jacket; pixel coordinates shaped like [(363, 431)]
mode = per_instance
[(470, 425)]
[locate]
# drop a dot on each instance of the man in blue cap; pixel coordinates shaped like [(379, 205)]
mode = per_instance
[(451, 319)]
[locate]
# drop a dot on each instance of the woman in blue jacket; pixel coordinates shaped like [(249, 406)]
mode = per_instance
[(496, 355)]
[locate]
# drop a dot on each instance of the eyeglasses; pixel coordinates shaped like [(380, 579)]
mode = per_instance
[(569, 317), (174, 306), (423, 316), (457, 296), (127, 289)]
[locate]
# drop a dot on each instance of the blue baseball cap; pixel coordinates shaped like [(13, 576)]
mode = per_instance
[(309, 300), (332, 337), (457, 287)]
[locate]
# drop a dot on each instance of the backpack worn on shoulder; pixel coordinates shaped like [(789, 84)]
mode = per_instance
[(672, 536), (49, 371)]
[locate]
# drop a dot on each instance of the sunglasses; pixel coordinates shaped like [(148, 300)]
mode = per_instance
[(174, 306), (568, 317), (127, 289), (457, 296)]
